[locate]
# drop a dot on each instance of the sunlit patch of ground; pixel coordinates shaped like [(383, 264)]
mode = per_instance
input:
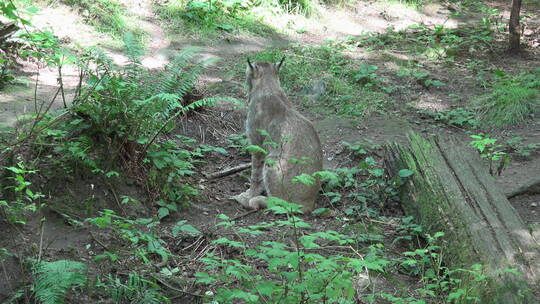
[(430, 102), (353, 20), (68, 25)]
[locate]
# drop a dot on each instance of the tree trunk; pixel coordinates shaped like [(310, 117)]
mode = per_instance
[(451, 191), (514, 28)]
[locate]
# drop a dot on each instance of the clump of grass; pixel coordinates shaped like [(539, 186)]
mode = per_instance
[(512, 100)]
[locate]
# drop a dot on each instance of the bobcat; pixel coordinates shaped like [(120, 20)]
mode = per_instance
[(290, 139)]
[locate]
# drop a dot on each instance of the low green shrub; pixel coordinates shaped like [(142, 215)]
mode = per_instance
[(299, 274)]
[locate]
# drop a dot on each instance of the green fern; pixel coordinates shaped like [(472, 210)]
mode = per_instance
[(136, 290), (55, 279), (132, 48), (179, 79), (171, 79)]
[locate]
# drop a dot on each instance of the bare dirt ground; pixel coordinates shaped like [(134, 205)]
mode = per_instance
[(215, 125)]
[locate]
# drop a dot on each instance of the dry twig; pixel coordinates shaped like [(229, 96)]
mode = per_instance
[(228, 171)]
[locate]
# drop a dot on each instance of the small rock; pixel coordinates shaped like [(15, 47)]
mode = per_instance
[(534, 205), (205, 212)]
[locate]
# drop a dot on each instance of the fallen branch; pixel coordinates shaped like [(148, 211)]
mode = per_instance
[(228, 171), (98, 241), (243, 214)]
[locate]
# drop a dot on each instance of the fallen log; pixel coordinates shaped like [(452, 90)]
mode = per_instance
[(451, 191)]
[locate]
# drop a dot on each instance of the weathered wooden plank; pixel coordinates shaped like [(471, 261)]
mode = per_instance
[(451, 191)]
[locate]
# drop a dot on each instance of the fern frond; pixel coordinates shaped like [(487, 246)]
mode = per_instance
[(132, 48), (136, 290), (182, 73), (54, 279)]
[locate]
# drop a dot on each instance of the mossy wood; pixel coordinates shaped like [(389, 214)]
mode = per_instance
[(451, 191)]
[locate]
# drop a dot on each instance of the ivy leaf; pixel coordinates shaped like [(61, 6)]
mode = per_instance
[(163, 212), (256, 149), (222, 216), (405, 173), (181, 226), (321, 212), (377, 172), (226, 241)]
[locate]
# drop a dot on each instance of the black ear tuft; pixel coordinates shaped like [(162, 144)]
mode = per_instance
[(249, 64), (278, 66)]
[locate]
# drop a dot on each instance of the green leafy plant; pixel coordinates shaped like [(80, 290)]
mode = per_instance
[(361, 148), (142, 231), (459, 117), (440, 282), (19, 197), (288, 275), (6, 76), (426, 81), (490, 150), (10, 11), (239, 142), (366, 184), (118, 120), (366, 74), (517, 146), (28, 43), (54, 279)]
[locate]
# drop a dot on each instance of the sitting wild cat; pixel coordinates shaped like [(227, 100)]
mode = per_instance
[(290, 139)]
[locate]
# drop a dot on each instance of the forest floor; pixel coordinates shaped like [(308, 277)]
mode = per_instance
[(409, 106)]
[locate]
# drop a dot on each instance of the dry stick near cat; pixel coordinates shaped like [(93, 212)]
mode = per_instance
[(290, 139)]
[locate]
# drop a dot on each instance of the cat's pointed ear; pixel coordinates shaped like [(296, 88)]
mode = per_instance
[(278, 65), (250, 65)]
